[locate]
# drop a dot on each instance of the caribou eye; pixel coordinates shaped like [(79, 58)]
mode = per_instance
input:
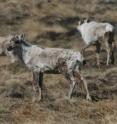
[(9, 48), (17, 42)]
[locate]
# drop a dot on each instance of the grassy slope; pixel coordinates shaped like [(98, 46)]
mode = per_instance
[(53, 23)]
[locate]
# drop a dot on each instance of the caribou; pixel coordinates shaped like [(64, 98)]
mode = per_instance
[(48, 60), (4, 41), (98, 33)]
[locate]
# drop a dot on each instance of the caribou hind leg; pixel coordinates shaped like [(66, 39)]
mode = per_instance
[(110, 47), (79, 76), (82, 79), (112, 57), (71, 78), (72, 84)]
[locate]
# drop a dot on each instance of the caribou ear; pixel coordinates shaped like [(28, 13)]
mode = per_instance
[(22, 36), (16, 37), (87, 20), (79, 22)]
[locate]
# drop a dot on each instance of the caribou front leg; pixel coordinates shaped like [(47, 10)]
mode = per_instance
[(112, 47), (83, 49), (98, 48), (34, 87), (37, 86), (40, 83)]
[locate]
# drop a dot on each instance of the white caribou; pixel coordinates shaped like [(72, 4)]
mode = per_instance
[(48, 60), (98, 33)]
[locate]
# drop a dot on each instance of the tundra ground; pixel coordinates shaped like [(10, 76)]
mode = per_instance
[(52, 23)]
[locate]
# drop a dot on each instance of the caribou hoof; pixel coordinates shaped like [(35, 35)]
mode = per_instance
[(36, 99), (39, 99), (107, 64), (33, 99), (69, 96), (88, 98), (98, 66)]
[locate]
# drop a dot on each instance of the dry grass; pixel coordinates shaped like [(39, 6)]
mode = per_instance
[(52, 23)]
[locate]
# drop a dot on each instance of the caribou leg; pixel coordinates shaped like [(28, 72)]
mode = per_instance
[(85, 86), (37, 85), (98, 48), (72, 84), (112, 52), (83, 49), (108, 50), (34, 87), (40, 83)]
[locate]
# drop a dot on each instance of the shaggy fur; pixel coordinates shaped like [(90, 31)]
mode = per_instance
[(48, 60), (97, 33)]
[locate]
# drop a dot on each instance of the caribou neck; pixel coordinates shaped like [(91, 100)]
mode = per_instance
[(25, 53)]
